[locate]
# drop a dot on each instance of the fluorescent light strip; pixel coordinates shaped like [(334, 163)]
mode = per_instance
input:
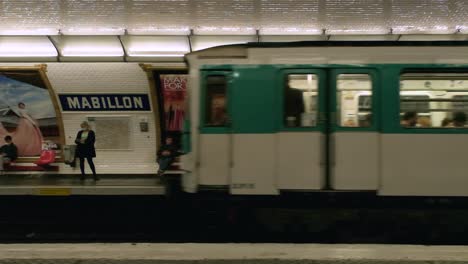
[(29, 32), (22, 51), (155, 55), (27, 55), (157, 48), (439, 29), (26, 47), (93, 31), (159, 31), (91, 52), (225, 30), (381, 31), (290, 31), (92, 55)]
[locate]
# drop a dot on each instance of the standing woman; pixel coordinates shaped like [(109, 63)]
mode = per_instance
[(85, 149)]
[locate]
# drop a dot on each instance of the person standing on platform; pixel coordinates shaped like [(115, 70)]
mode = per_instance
[(85, 140), (8, 152)]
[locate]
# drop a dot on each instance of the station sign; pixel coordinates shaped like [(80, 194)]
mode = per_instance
[(104, 102)]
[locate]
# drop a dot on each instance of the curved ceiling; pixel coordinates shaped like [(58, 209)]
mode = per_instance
[(270, 17)]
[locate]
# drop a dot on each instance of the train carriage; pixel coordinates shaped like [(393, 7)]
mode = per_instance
[(312, 117)]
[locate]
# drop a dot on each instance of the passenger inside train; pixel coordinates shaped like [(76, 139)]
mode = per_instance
[(294, 106), (366, 121), (424, 121), (459, 119), (410, 119), (446, 122), (218, 110)]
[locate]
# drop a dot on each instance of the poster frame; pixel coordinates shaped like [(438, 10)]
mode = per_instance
[(41, 69), (153, 73)]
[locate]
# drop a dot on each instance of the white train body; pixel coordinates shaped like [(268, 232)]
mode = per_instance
[(384, 158)]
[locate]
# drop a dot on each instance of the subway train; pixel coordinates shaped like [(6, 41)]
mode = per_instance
[(382, 117)]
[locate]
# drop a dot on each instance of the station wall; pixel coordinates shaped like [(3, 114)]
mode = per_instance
[(107, 78)]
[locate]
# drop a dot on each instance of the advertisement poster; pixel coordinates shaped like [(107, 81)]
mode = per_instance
[(27, 113), (174, 89)]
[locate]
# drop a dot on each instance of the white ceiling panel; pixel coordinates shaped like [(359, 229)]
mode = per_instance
[(227, 17)]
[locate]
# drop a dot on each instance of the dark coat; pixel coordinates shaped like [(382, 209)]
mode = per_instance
[(173, 149), (10, 151), (85, 150), (294, 104)]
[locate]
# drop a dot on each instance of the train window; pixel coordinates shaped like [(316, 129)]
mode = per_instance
[(216, 102), (300, 100), (417, 103), (460, 103), (354, 100), (433, 100)]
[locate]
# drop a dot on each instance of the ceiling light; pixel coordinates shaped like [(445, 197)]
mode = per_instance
[(29, 32), (93, 31), (225, 31), (26, 47), (204, 42), (156, 46), (357, 31), (439, 29), (159, 31), (290, 31), (90, 46)]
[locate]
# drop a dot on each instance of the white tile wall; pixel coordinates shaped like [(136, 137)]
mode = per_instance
[(107, 78), (97, 77)]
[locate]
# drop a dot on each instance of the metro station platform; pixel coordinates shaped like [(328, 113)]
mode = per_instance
[(64, 185), (232, 253)]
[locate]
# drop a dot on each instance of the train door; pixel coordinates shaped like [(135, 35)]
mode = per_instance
[(302, 136), (253, 125), (215, 142), (354, 137)]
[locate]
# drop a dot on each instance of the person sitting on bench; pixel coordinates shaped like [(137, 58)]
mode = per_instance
[(166, 155), (8, 152)]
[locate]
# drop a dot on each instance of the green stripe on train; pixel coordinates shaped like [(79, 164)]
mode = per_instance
[(256, 96)]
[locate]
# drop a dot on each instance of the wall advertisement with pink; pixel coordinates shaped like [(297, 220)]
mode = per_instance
[(27, 113), (174, 90)]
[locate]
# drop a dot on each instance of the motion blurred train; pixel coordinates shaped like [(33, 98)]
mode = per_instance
[(267, 118)]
